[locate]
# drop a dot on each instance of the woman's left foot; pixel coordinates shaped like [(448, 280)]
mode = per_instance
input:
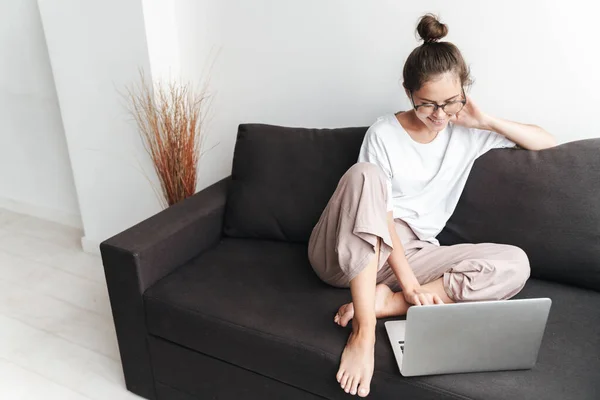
[(387, 304)]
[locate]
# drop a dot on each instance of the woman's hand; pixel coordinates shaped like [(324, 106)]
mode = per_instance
[(421, 297), (530, 137), (471, 116)]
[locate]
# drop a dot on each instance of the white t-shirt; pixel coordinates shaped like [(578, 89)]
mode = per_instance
[(425, 180)]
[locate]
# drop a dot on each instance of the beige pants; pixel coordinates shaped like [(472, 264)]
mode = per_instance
[(343, 242)]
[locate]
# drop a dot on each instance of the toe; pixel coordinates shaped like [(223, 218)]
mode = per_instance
[(346, 318), (339, 375), (364, 388), (344, 380), (349, 385), (354, 386)]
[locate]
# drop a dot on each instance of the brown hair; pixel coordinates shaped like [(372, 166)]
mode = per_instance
[(433, 58)]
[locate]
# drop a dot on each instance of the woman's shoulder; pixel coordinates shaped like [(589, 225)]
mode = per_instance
[(473, 135), (382, 121), (383, 127), (459, 132)]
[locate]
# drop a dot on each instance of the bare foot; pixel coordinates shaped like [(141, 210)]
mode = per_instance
[(387, 304), (356, 366)]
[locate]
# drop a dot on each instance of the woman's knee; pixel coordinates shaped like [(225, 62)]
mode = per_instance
[(502, 276), (361, 169), (518, 273), (519, 262)]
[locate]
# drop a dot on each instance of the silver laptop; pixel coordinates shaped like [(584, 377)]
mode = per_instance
[(469, 337)]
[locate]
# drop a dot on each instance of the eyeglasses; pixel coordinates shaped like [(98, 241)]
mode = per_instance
[(450, 108)]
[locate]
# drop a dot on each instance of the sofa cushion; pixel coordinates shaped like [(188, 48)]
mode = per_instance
[(282, 179), (257, 304), (546, 202)]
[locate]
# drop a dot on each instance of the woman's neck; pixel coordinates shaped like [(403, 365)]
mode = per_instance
[(415, 127)]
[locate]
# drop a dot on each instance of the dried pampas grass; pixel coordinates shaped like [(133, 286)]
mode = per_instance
[(171, 121)]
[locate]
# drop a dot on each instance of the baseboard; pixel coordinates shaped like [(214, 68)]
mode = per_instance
[(90, 246), (49, 214)]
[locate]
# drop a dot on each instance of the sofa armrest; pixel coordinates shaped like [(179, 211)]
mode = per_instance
[(138, 257)]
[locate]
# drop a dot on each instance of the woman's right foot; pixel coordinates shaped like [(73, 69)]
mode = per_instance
[(387, 304), (357, 363)]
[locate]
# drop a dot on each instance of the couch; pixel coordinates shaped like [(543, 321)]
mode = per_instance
[(214, 297)]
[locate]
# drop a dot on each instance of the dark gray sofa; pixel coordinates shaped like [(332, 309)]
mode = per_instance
[(214, 298)]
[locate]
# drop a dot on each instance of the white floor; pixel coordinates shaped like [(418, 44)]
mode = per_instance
[(57, 339)]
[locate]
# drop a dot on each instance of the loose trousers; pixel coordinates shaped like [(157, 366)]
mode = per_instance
[(343, 241)]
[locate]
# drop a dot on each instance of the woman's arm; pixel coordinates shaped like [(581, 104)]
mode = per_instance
[(411, 289), (530, 137), (404, 273)]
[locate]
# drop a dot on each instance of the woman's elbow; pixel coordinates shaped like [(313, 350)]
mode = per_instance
[(549, 139), (552, 141)]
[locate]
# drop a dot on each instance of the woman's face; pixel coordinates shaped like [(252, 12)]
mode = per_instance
[(441, 90)]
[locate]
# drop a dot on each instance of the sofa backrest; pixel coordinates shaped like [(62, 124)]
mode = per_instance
[(282, 179), (546, 202)]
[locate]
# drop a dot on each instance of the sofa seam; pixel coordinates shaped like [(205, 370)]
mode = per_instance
[(175, 388), (299, 345), (171, 234), (147, 345), (135, 254), (260, 333), (431, 388), (236, 366)]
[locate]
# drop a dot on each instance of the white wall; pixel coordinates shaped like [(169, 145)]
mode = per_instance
[(162, 38), (310, 63), (96, 50), (339, 63), (198, 29), (35, 171)]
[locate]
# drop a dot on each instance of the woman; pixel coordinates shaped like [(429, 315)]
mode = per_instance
[(377, 233)]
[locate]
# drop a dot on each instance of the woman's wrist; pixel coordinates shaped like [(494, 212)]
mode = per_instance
[(404, 273), (487, 123), (411, 288)]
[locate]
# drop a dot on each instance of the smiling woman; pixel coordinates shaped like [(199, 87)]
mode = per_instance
[(377, 235), (435, 77)]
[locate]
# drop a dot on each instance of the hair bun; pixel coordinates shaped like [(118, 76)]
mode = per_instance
[(431, 29)]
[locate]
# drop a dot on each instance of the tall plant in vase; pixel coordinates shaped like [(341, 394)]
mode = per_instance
[(171, 120)]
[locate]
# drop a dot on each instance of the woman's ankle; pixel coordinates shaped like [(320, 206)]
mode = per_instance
[(364, 327)]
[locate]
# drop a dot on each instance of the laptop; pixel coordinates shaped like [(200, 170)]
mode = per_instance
[(469, 337)]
